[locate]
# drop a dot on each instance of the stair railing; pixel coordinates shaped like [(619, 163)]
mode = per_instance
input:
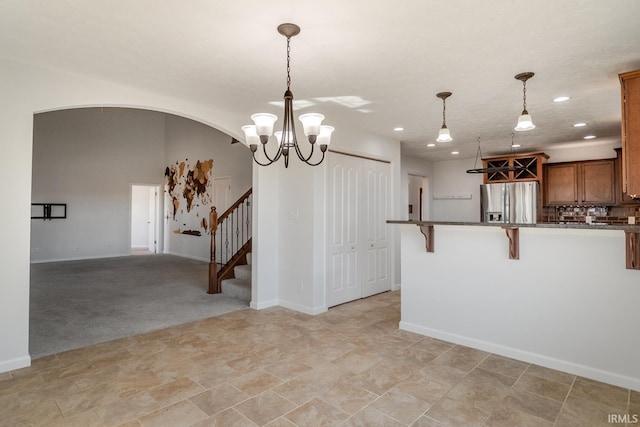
[(230, 240)]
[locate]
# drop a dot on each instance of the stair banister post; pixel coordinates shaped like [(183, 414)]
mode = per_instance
[(214, 287)]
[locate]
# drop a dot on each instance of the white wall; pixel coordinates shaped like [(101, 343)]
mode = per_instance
[(420, 167), (568, 303), (587, 150), (450, 179), (88, 158), (190, 140)]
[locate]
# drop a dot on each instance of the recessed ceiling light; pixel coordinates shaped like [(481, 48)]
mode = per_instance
[(398, 129), (516, 146), (455, 152), (561, 99), (431, 144), (579, 125), (589, 137)]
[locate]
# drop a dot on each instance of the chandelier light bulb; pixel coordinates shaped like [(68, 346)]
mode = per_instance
[(251, 137), (264, 125), (444, 135), (324, 138), (311, 123)]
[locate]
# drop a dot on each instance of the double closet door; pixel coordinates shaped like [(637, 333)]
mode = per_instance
[(359, 257)]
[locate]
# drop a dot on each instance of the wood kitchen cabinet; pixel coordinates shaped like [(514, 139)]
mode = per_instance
[(630, 86), (580, 183), (622, 197), (528, 168)]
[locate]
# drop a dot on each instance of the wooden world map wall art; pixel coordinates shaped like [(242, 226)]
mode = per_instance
[(189, 189)]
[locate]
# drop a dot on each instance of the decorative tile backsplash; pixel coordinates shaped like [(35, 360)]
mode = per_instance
[(598, 214)]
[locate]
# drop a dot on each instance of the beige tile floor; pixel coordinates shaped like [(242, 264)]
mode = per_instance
[(350, 366)]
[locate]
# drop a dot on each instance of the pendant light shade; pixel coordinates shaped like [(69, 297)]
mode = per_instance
[(260, 132), (524, 121), (324, 139), (444, 135)]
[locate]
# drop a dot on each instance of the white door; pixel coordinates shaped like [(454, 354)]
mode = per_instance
[(152, 224), (358, 247), (145, 223), (342, 216), (376, 277), (221, 189)]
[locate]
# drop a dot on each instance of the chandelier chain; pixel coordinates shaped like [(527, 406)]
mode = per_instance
[(288, 61), (444, 108), (524, 95)]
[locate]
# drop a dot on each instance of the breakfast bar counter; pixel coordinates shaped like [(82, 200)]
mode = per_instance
[(564, 296)]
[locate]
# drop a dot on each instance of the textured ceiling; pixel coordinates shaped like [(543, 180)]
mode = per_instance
[(375, 64)]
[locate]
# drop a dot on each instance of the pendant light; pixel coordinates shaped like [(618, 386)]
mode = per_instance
[(444, 135), (494, 169), (524, 121), (286, 140)]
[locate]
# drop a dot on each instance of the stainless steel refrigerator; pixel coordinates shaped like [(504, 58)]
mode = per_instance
[(509, 202)]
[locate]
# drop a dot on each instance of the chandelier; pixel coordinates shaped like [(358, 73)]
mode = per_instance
[(260, 132)]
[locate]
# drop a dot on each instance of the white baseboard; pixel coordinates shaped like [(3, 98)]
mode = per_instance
[(526, 356), (188, 256), (264, 304), (303, 308), (290, 305), (13, 364), (396, 287), (82, 258)]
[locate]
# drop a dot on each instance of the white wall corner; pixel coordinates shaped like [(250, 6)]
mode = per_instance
[(302, 308), (13, 364), (264, 304)]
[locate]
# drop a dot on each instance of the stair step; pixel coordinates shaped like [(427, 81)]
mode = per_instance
[(249, 258), (242, 272), (237, 288)]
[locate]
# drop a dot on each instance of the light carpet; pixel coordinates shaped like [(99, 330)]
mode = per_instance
[(79, 303)]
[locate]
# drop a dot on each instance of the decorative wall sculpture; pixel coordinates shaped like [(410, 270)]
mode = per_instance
[(189, 188)]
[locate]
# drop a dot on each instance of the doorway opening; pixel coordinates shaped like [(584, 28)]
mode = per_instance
[(418, 198), (145, 219)]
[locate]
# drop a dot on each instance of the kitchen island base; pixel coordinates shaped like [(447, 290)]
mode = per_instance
[(568, 303)]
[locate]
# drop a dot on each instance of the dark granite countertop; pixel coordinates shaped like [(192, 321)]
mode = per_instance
[(578, 226)]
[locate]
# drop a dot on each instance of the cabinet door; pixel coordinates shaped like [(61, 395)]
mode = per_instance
[(561, 186), (631, 132), (598, 182)]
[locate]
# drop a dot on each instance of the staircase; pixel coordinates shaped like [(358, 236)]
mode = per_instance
[(239, 286), (230, 263)]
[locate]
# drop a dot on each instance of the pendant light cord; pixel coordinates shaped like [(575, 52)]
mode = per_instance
[(444, 108)]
